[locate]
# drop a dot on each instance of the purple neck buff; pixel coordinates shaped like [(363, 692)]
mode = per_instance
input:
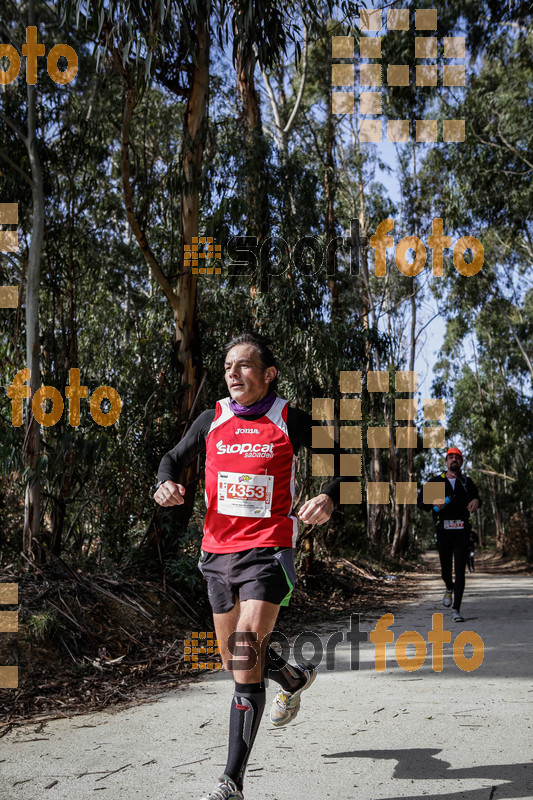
[(257, 409)]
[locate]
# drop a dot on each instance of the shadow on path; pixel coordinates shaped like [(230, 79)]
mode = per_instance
[(422, 764)]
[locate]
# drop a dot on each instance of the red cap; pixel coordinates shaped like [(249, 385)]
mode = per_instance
[(454, 450)]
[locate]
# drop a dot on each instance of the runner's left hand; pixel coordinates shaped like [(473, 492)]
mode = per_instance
[(473, 505), (317, 510)]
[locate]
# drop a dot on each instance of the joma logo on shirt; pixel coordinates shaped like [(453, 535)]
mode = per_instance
[(246, 430), (260, 450)]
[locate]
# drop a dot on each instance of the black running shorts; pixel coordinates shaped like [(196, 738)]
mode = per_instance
[(262, 573)]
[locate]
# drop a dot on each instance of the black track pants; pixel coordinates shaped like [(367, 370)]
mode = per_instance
[(453, 546)]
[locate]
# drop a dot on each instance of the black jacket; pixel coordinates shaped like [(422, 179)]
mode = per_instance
[(465, 491)]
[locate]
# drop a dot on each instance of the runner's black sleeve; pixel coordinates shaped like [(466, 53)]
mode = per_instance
[(300, 427), (187, 449)]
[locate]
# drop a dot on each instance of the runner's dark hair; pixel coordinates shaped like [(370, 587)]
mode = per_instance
[(263, 347)]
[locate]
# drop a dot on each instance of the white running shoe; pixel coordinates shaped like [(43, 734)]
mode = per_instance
[(286, 705), (447, 599), (226, 790), (457, 616)]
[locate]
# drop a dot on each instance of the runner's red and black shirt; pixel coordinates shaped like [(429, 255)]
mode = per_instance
[(249, 481), (249, 474)]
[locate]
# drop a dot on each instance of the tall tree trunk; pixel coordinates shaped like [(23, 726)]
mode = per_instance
[(363, 262), (257, 204), (186, 340), (67, 355), (32, 498), (182, 297), (194, 138), (283, 128), (329, 188), (394, 475), (374, 513), (480, 528), (497, 516), (400, 541), (73, 332)]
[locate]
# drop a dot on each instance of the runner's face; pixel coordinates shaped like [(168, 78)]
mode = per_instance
[(247, 381), (453, 462)]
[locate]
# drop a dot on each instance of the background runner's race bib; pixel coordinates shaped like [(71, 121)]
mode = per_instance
[(244, 495), (454, 524)]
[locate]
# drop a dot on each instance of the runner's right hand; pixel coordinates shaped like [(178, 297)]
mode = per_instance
[(170, 494)]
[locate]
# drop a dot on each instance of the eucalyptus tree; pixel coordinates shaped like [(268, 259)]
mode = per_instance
[(22, 119), (169, 42), (486, 186)]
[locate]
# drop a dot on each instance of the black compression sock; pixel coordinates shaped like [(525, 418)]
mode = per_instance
[(247, 706), (289, 678)]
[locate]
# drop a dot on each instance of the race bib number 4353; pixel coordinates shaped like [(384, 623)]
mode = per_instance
[(454, 524), (244, 495)]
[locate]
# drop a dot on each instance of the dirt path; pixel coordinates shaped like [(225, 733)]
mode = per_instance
[(360, 734)]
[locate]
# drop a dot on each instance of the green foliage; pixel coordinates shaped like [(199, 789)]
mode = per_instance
[(182, 570), (43, 625)]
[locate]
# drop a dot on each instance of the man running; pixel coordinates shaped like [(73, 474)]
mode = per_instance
[(453, 528), (474, 539), (251, 441)]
